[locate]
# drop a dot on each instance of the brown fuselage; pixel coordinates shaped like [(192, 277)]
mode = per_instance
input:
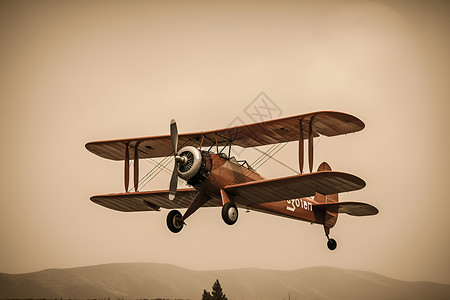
[(226, 172)]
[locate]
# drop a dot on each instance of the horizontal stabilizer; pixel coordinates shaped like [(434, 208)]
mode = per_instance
[(352, 208)]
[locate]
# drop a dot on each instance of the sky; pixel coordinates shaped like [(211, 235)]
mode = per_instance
[(77, 71)]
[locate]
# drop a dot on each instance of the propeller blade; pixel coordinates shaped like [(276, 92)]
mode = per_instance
[(174, 136), (173, 182)]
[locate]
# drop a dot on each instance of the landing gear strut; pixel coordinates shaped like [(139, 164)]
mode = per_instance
[(174, 221), (229, 213)]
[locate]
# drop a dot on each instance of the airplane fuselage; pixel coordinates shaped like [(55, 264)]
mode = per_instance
[(225, 172)]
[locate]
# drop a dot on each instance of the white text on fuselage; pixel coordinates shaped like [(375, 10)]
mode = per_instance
[(294, 203)]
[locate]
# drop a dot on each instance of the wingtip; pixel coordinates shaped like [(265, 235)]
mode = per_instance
[(375, 210)]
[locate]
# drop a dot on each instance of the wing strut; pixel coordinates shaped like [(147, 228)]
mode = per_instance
[(136, 166), (127, 167), (310, 145), (301, 147)]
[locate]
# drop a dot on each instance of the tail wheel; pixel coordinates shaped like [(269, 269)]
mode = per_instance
[(332, 244), (174, 221), (229, 213)]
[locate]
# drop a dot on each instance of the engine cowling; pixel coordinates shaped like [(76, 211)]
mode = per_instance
[(192, 162), (196, 165)]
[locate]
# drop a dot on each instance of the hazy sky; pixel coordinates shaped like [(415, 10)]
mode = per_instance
[(73, 72)]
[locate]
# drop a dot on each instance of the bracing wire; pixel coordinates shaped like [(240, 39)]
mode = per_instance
[(258, 160), (267, 156), (278, 161), (162, 165), (263, 158), (158, 167)]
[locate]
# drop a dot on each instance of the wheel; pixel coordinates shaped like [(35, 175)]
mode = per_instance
[(174, 221), (332, 244), (229, 213)]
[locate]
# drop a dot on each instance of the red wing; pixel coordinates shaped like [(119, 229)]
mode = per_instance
[(298, 186), (351, 208), (149, 201), (326, 123)]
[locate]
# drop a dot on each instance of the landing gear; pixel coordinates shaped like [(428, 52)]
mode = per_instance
[(229, 213), (332, 244), (174, 221)]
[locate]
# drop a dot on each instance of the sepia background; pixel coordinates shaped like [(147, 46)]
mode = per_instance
[(76, 71)]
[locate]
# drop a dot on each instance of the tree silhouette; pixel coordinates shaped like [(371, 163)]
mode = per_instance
[(217, 293), (206, 295)]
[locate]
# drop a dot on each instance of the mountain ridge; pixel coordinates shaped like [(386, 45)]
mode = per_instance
[(153, 280)]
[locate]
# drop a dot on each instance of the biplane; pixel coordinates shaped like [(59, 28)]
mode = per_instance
[(217, 179)]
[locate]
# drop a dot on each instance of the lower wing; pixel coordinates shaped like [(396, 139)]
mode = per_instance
[(298, 186), (149, 201)]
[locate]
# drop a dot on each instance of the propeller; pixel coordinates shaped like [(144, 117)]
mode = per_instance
[(178, 160)]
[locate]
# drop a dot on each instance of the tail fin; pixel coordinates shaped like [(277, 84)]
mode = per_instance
[(330, 217)]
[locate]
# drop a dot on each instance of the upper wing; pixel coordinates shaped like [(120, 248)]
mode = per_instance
[(298, 186), (351, 208), (326, 123), (149, 201)]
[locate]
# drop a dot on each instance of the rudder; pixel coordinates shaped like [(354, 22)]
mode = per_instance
[(330, 217)]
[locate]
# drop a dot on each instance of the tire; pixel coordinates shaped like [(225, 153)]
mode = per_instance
[(174, 222), (229, 213), (332, 244)]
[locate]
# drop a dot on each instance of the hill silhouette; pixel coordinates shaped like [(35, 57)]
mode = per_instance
[(150, 280)]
